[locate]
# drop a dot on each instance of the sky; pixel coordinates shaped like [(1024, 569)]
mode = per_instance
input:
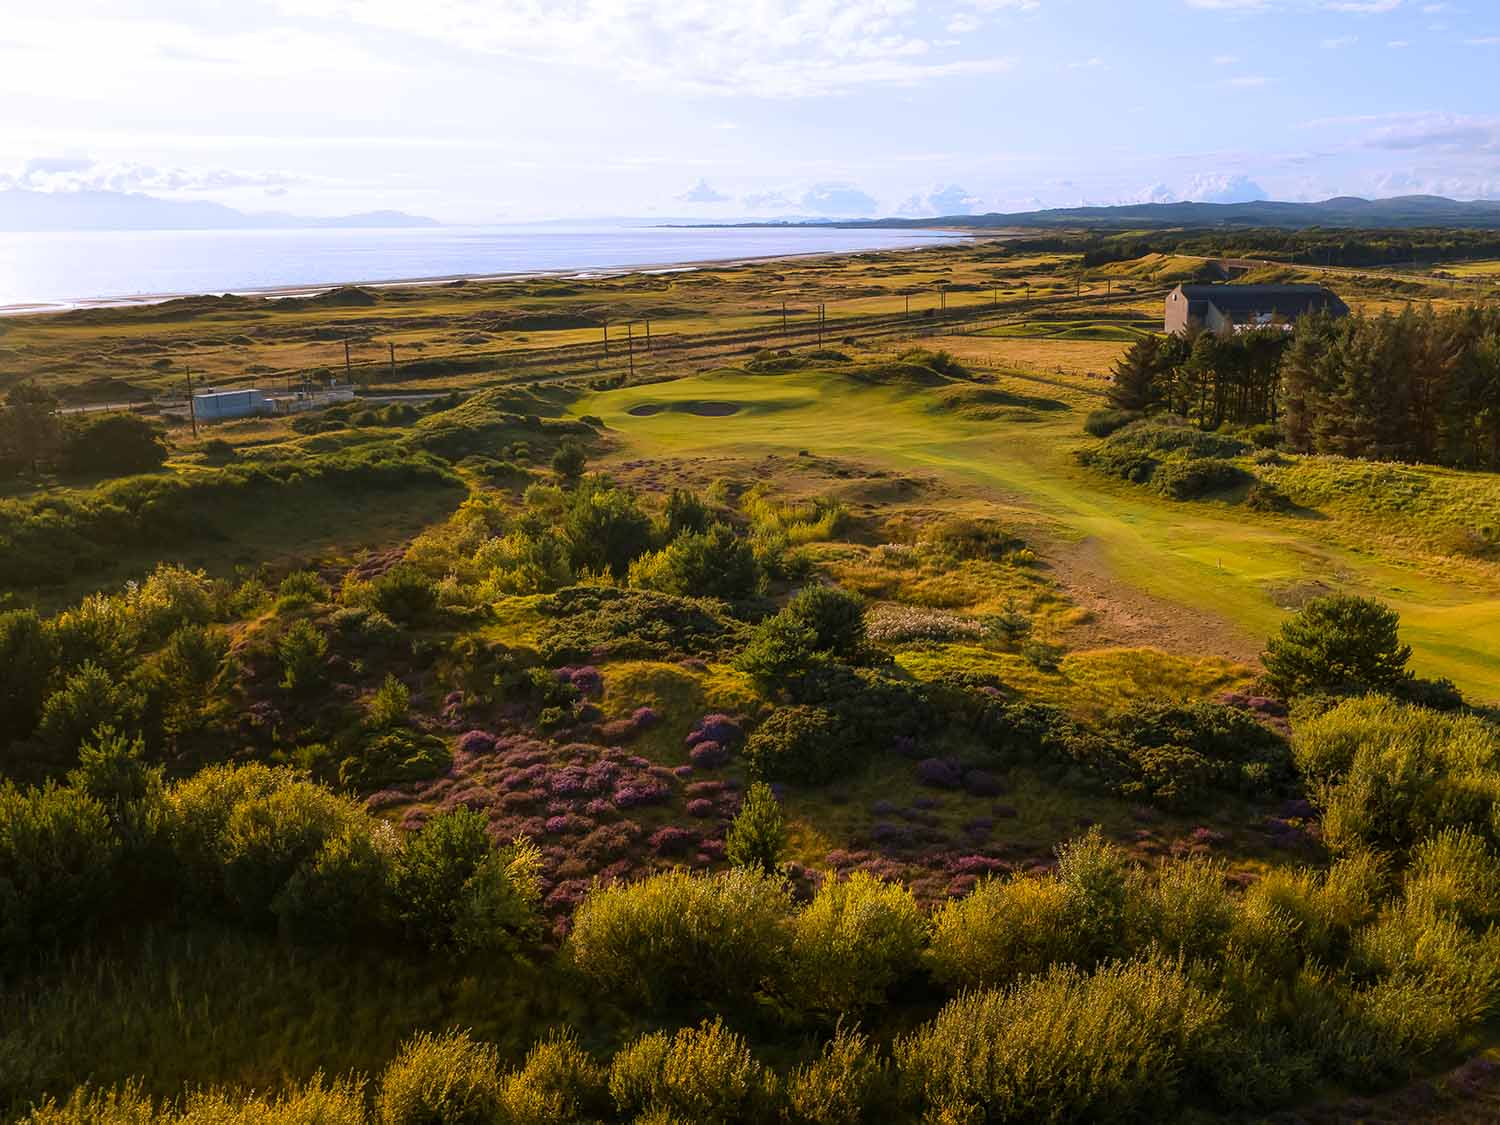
[(495, 111)]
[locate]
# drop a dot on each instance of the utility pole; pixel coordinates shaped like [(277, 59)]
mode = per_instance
[(648, 335), (820, 325), (393, 360), (348, 367), (906, 315), (630, 347), (783, 320), (606, 337), (192, 408)]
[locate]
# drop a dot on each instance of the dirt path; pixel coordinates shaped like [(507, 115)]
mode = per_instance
[(1122, 614)]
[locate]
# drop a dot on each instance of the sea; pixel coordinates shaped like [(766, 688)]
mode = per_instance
[(41, 271)]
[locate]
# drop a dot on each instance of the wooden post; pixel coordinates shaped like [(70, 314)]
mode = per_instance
[(820, 324), (348, 367), (783, 319), (393, 361), (192, 409), (630, 347), (648, 335), (907, 314)]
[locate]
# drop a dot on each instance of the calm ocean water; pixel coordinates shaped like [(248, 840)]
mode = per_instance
[(70, 268)]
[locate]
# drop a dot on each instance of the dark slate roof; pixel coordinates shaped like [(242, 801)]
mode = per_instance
[(1289, 301)]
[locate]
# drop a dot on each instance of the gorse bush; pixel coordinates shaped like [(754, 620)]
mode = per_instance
[(679, 936), (448, 1079), (558, 1084), (1338, 643), (337, 1103), (716, 563), (88, 699), (857, 938), (390, 706), (1184, 907), (404, 594), (846, 1084), (301, 588), (1115, 1045), (28, 654), (1188, 480), (1387, 774), (705, 1073)]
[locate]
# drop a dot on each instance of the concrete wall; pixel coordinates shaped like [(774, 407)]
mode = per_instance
[(1177, 312)]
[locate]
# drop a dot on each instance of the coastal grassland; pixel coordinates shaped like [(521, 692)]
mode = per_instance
[(1214, 557)]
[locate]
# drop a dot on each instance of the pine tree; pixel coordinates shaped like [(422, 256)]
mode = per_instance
[(1135, 375), (757, 837)]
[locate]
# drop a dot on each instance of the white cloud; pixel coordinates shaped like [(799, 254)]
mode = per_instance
[(839, 199), (66, 174), (773, 48), (1340, 42), (702, 192), (1247, 81), (945, 199)]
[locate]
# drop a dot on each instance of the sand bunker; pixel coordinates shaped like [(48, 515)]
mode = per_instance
[(702, 409)]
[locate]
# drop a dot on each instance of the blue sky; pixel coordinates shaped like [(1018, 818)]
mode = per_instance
[(507, 110)]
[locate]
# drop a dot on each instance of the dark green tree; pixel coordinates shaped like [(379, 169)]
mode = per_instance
[(1135, 374), (1338, 643), (569, 460)]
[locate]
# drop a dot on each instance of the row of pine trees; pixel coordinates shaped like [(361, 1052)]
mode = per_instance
[(1419, 386)]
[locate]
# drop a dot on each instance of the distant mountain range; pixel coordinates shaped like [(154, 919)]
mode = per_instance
[(1345, 211), (22, 210)]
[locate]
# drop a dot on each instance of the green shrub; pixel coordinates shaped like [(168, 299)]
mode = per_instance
[(703, 1073), (757, 835), (342, 894), (1102, 423), (28, 654), (569, 460), (404, 594), (390, 706), (606, 529), (113, 444), (679, 935), (1266, 497), (89, 698), (716, 563), (302, 650), (301, 588), (1312, 915), (857, 938), (57, 857), (267, 839), (845, 1085), (448, 1079), (686, 514), (1180, 753), (1123, 464), (201, 808), (801, 744), (1188, 480), (364, 624), (188, 667), (389, 757), (1166, 437), (558, 1084), (780, 650), (453, 889), (597, 622), (1337, 643), (958, 538), (338, 1103), (1112, 1046)]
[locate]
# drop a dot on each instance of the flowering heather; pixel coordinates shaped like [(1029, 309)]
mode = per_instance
[(641, 792), (520, 799), (906, 746), (476, 797), (980, 827), (414, 819), (1298, 808), (566, 896), (894, 624), (1207, 836), (710, 851), (716, 728), (599, 806), (682, 773), (982, 783), (927, 803), (941, 773), (586, 678), (693, 664), (961, 885), (708, 755), (883, 808), (672, 840), (979, 865), (706, 788), (569, 781), (645, 717), (475, 742), (886, 832), (385, 798), (602, 775)]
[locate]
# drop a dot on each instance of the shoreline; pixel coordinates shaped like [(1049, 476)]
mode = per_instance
[(940, 237)]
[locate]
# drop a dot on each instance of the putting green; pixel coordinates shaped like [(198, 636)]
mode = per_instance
[(1223, 560)]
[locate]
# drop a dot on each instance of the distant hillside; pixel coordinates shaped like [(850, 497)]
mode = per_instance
[(1345, 211), (117, 210)]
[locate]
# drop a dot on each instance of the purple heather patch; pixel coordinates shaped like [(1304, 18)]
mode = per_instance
[(700, 807), (980, 826), (642, 792), (672, 840), (708, 755), (586, 678), (475, 742), (882, 808), (682, 773), (645, 717), (716, 728), (906, 746), (599, 806), (706, 788), (979, 865), (941, 773), (927, 803)]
